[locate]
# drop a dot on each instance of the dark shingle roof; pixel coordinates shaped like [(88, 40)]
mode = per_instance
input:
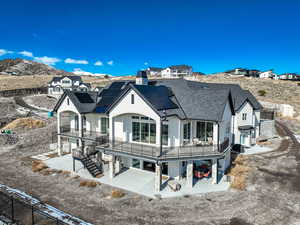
[(185, 99), (73, 78), (156, 69), (200, 103), (180, 67)]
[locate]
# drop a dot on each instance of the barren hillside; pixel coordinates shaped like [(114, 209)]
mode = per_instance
[(276, 91)]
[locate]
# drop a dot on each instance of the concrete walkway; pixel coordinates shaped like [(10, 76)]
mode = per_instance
[(137, 181), (256, 149)]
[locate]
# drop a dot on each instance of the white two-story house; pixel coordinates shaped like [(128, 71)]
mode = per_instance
[(171, 127), (57, 85), (177, 71)]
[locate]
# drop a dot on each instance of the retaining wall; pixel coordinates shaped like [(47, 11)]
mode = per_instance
[(23, 92)]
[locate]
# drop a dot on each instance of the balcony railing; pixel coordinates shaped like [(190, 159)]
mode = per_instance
[(86, 134), (167, 152)]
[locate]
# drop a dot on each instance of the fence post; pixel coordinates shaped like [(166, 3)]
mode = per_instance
[(12, 209), (32, 215)]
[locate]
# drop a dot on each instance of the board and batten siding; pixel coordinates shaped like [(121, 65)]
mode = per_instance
[(238, 119)]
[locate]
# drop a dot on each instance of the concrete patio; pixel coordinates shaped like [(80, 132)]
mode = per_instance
[(137, 181)]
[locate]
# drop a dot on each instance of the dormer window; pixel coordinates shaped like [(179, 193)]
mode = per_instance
[(132, 99)]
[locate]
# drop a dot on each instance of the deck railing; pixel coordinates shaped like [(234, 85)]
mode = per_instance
[(166, 153), (87, 134)]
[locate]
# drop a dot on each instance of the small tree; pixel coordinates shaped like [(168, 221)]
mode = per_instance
[(262, 92)]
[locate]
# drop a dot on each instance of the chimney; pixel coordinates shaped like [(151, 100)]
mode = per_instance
[(141, 78)]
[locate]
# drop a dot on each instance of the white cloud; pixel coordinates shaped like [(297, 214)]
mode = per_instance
[(47, 60), (75, 61), (81, 72), (146, 63), (4, 52), (110, 62), (98, 63), (26, 53)]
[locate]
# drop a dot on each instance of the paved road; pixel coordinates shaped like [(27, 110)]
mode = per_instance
[(20, 101)]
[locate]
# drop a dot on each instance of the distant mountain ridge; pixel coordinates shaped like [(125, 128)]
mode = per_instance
[(20, 67)]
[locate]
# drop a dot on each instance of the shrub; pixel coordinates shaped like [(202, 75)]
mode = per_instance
[(239, 171), (298, 84), (38, 166), (88, 183), (262, 92), (117, 193)]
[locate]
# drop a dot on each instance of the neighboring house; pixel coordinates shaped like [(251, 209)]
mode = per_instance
[(288, 76), (243, 72), (177, 71), (154, 71), (170, 127), (267, 74), (253, 73), (57, 85)]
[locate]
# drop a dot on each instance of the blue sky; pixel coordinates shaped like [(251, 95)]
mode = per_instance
[(128, 35)]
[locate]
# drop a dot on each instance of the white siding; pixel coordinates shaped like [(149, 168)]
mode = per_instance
[(238, 120), (225, 124), (124, 107)]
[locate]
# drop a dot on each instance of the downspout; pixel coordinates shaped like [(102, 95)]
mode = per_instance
[(161, 124), (218, 137)]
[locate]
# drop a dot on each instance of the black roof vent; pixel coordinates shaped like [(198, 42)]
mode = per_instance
[(141, 74)]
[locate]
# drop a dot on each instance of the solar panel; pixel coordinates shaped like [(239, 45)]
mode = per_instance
[(84, 97)]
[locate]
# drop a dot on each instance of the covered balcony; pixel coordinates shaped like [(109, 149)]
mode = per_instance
[(75, 125)]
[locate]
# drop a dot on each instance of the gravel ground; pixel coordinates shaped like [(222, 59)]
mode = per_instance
[(41, 101), (272, 196)]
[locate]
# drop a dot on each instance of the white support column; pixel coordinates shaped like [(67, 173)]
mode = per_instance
[(141, 164), (158, 135), (111, 129), (189, 174), (117, 165), (80, 130), (158, 178), (214, 171), (112, 167), (59, 148)]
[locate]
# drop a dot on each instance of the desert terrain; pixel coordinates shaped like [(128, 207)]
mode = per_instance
[(270, 196)]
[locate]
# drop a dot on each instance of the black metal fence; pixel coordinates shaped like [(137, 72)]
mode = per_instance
[(21, 212), (18, 209)]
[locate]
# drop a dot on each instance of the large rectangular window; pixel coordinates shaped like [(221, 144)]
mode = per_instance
[(204, 130), (165, 134), (152, 133), (143, 130), (76, 118), (145, 133), (104, 125), (135, 131), (187, 131)]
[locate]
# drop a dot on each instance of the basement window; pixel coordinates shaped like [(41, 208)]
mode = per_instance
[(132, 99)]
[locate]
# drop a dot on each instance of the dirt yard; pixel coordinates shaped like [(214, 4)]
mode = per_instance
[(271, 196)]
